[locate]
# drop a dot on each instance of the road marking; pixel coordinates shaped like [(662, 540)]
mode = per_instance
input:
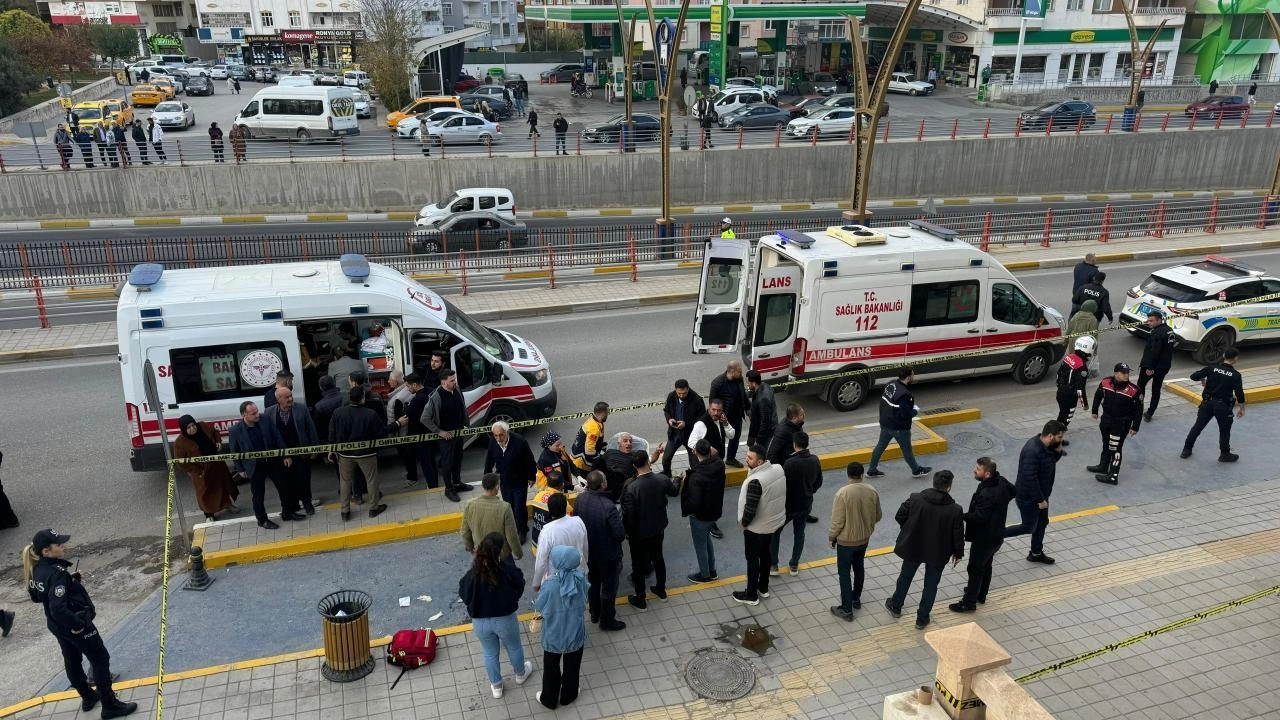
[(626, 371)]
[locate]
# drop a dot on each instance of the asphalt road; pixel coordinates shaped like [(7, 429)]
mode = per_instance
[(67, 466)]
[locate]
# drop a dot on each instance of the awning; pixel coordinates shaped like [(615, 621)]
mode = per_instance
[(440, 42)]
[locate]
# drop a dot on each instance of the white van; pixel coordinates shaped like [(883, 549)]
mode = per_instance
[(356, 79), (497, 200), (804, 305), (218, 336), (301, 113), (733, 98)]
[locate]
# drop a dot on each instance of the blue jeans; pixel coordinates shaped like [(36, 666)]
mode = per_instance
[(1034, 521), (932, 576), (903, 438), (491, 632), (850, 558), (798, 521), (702, 546)]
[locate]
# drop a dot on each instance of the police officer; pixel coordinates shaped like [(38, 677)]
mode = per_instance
[(1073, 373), (70, 613), (1094, 291), (1121, 403), (1157, 358), (1222, 385)]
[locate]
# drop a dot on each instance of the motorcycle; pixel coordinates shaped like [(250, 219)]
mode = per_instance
[(580, 91)]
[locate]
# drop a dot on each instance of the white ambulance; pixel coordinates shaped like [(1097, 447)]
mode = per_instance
[(218, 336), (804, 305)]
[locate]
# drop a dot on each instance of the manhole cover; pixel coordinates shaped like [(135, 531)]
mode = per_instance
[(973, 441), (719, 675)]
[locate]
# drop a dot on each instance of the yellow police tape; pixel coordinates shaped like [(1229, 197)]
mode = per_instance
[(164, 597), (470, 431), (1215, 610)]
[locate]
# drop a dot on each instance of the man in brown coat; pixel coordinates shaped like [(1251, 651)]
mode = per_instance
[(854, 514)]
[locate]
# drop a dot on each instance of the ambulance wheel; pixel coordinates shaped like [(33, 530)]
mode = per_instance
[(848, 393), (1032, 367), (506, 413), (1211, 349)]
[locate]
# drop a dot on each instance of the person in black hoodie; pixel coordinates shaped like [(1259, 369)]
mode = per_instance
[(331, 398), (1037, 468), (702, 501), (644, 515), (357, 423), (604, 542), (684, 407), (491, 590), (730, 389), (804, 477), (1080, 276), (764, 410), (1157, 358), (897, 409), (140, 139), (782, 445), (932, 533), (1094, 291), (984, 529)]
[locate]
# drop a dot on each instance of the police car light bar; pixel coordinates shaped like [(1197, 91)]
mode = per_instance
[(1225, 261), (799, 238)]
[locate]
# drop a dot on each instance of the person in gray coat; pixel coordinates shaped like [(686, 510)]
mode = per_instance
[(290, 425)]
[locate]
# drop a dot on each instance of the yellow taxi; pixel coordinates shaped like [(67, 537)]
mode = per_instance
[(109, 111), (168, 88), (147, 95), (422, 105)]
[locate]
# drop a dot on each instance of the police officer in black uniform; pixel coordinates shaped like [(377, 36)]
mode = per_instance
[(1073, 374), (70, 613), (1222, 385), (1121, 403), (1094, 291), (1157, 358)]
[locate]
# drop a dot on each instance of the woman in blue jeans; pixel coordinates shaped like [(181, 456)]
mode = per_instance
[(492, 589)]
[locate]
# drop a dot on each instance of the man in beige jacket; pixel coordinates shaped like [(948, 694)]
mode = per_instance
[(490, 513), (854, 514)]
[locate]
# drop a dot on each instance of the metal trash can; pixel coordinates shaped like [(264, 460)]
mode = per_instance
[(346, 635)]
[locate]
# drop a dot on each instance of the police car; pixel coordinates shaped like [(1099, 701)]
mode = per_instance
[(1212, 305)]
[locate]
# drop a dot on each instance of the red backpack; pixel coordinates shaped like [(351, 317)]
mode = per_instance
[(412, 648)]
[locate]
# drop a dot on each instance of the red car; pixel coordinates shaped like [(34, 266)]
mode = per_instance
[(1218, 106), (465, 83)]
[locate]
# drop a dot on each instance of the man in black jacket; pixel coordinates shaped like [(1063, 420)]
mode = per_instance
[(1037, 467), (932, 533), (1121, 404), (509, 456), (331, 398), (781, 445), (1094, 291), (618, 468), (764, 410), (357, 423), (702, 501), (984, 528), (1157, 358), (604, 541), (644, 515), (684, 408), (897, 409), (446, 414), (730, 389), (1081, 276), (804, 476)]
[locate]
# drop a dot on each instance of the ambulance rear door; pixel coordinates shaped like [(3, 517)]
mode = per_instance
[(720, 319), (774, 316)]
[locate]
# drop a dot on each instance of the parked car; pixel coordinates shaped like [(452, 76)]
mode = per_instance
[(903, 82), (516, 81), (263, 73), (848, 100), (471, 102), (464, 129), (239, 72), (356, 78), (1070, 113), (822, 83), (647, 127), (364, 105), (147, 95), (471, 231), (803, 104), (561, 73), (197, 69), (199, 85), (91, 111), (421, 105), (218, 72), (499, 91), (174, 114), (167, 86), (328, 77), (1218, 106), (411, 127), (465, 83), (752, 117), (644, 70), (746, 82), (826, 121)]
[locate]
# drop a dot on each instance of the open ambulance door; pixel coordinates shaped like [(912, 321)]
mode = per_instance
[(722, 296)]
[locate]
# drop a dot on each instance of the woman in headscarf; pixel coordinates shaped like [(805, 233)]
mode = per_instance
[(215, 490), (563, 604), (491, 590), (554, 458)]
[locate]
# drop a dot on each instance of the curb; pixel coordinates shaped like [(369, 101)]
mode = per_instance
[(74, 351), (303, 218), (1266, 393), (447, 523)]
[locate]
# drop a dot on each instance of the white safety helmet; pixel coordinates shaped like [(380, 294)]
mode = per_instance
[(1086, 345), (726, 221)]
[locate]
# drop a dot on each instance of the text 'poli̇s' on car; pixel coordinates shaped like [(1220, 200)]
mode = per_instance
[(471, 231)]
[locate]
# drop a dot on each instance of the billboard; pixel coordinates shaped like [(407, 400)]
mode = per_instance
[(104, 13)]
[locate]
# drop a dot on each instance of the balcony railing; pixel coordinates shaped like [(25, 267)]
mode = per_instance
[(1004, 12), (1159, 10)]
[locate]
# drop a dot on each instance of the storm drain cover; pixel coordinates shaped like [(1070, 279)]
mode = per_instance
[(719, 675), (973, 441)]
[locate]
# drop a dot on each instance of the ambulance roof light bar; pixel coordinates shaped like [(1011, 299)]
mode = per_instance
[(942, 233), (355, 266), (146, 276), (799, 238)]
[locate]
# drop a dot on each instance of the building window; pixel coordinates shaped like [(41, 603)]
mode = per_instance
[(1075, 4), (1102, 5), (446, 8), (830, 29), (771, 25), (295, 18), (744, 31), (265, 16), (450, 28)]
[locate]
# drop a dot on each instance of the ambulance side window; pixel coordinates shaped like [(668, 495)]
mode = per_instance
[(220, 372), (775, 318), (944, 303), (1010, 305), (470, 368)]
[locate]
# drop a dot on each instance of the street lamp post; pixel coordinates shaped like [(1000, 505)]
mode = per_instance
[(666, 85), (870, 99)]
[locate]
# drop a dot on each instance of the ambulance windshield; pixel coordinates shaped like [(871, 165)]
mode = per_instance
[(474, 332)]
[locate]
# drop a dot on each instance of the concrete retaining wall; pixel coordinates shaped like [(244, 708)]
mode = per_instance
[(1235, 159), (51, 112)]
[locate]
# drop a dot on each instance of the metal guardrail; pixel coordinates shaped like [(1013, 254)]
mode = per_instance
[(193, 149)]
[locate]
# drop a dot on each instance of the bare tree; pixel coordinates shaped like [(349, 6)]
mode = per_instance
[(391, 27)]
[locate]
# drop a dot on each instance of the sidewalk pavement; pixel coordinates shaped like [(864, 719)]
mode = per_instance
[(409, 215), (27, 344), (1121, 572), (1261, 384)]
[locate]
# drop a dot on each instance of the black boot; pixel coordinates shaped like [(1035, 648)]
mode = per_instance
[(88, 700), (113, 708)]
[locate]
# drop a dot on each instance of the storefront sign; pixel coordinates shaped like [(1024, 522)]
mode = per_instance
[(957, 38), (298, 36), (1083, 36), (928, 35), (257, 39)]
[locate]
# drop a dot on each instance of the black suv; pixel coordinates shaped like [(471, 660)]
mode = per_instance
[(1065, 114)]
